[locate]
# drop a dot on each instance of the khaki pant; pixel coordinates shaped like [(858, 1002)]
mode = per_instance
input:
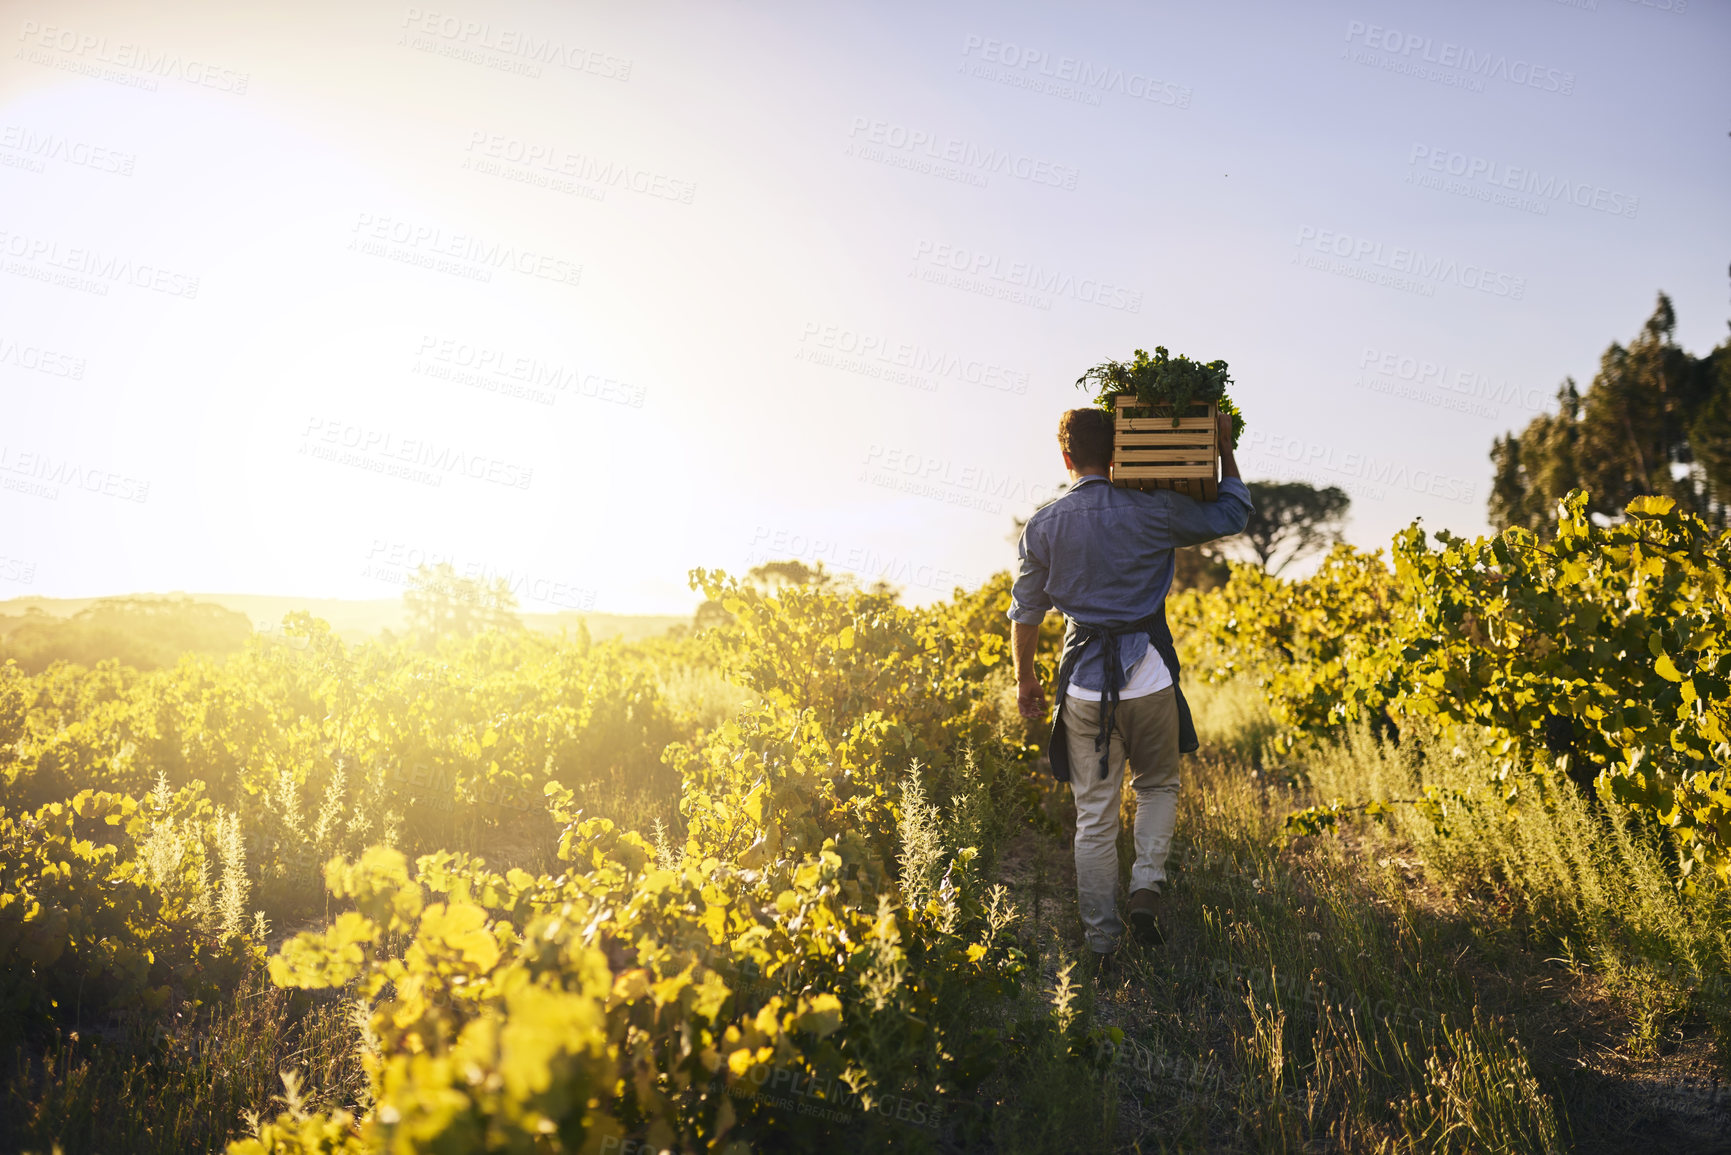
[(1144, 732)]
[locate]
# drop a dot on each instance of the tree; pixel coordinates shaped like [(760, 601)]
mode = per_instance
[(442, 605), (1536, 468), (1655, 420), (1198, 567), (1709, 431), (772, 576), (1288, 520)]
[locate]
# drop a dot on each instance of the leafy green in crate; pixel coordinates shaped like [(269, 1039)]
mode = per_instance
[(1164, 380)]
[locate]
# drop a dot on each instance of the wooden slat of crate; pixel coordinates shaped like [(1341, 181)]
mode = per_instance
[(1188, 442), (1144, 472), (1183, 442), (1150, 452), (1204, 425), (1158, 459), (1200, 488), (1157, 456)]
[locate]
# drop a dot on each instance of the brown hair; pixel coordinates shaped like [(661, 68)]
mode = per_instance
[(1086, 435)]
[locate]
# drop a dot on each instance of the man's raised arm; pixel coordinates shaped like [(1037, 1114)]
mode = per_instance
[(1195, 522)]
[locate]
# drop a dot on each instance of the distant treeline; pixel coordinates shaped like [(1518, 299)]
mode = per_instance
[(145, 633), (1656, 420)]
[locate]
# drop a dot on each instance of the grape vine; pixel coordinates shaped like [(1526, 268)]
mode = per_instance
[(1601, 655)]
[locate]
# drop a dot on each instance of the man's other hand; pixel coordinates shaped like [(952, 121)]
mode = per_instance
[(1228, 460), (1031, 699)]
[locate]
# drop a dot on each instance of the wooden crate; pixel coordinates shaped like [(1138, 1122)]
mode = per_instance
[(1148, 452)]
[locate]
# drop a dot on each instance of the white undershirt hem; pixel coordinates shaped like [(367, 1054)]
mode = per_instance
[(1148, 676)]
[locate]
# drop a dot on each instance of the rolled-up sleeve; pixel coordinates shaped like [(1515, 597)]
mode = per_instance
[(1028, 599), (1194, 522)]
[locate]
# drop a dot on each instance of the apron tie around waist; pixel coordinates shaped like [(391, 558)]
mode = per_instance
[(1160, 640)]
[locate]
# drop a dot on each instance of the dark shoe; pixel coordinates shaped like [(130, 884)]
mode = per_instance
[(1145, 916), (1103, 966)]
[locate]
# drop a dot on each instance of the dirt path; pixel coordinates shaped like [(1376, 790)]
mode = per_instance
[(1182, 1079)]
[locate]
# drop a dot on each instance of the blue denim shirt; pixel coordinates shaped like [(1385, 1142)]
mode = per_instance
[(1101, 555)]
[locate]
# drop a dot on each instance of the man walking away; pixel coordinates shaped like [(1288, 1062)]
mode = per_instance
[(1102, 556)]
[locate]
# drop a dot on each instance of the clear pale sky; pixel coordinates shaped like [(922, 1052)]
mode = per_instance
[(585, 295)]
